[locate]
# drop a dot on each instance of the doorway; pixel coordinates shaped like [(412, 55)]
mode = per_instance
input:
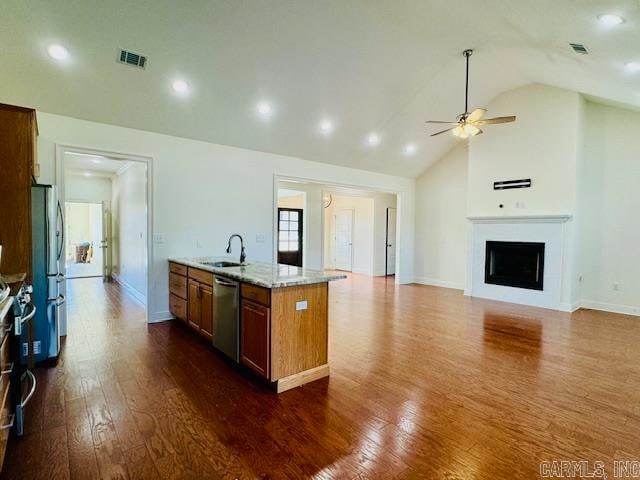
[(344, 240), (117, 188), (390, 243), (290, 233), (84, 239)]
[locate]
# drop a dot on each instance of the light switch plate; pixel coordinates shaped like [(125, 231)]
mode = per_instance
[(302, 305), (260, 238), (158, 238)]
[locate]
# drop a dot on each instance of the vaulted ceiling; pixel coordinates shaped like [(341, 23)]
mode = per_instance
[(381, 65)]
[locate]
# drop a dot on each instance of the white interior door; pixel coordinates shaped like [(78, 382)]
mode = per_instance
[(344, 240), (391, 241)]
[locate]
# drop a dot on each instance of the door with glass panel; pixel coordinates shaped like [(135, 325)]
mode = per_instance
[(290, 236)]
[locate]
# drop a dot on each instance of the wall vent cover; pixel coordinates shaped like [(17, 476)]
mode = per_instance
[(132, 58), (579, 48)]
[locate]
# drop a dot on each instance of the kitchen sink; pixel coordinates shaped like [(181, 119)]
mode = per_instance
[(222, 264)]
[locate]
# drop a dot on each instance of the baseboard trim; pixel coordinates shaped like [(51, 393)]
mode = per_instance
[(569, 307), (130, 290), (610, 307), (160, 317), (438, 283)]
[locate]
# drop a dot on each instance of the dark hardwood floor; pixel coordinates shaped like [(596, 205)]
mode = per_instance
[(425, 383)]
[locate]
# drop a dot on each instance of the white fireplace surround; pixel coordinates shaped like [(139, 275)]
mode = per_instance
[(554, 230)]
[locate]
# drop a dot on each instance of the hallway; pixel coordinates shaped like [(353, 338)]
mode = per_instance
[(425, 383)]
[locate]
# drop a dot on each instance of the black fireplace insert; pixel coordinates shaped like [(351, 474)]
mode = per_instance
[(515, 264)]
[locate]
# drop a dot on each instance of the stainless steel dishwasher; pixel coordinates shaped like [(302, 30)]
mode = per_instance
[(226, 316)]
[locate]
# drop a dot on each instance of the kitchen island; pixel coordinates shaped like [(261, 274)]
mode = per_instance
[(272, 319)]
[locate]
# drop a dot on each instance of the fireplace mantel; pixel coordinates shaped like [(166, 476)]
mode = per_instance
[(533, 218)]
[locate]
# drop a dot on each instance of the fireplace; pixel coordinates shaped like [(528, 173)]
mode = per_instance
[(515, 264)]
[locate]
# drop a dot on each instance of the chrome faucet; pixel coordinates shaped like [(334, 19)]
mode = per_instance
[(243, 256)]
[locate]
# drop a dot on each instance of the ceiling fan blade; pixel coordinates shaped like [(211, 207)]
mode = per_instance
[(476, 115), (441, 121), (443, 131), (491, 121)]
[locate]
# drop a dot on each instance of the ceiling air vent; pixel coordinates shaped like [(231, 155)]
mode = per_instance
[(133, 59), (579, 48)]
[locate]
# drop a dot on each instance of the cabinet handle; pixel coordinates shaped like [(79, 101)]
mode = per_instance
[(8, 370), (8, 425)]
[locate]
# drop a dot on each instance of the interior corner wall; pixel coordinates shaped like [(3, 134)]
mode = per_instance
[(608, 205), (441, 225), (129, 227), (381, 202)]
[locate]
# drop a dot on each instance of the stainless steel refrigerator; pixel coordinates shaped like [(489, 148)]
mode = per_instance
[(47, 222)]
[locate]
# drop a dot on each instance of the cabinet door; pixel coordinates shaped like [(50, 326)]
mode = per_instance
[(206, 312), (194, 312), (255, 337)]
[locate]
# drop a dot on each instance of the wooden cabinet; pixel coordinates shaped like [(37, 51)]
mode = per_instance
[(194, 311), (178, 291), (255, 326), (206, 311), (18, 132), (200, 308)]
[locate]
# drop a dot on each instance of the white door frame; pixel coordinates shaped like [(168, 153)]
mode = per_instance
[(148, 161), (90, 202), (329, 183)]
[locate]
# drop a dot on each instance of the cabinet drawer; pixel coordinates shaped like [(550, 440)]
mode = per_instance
[(201, 276), (177, 268), (178, 307), (178, 285), (257, 294)]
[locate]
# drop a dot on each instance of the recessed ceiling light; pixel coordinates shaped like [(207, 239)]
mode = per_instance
[(326, 127), (87, 174), (180, 86), (373, 139), (410, 149), (96, 160), (610, 19), (264, 109), (632, 66), (58, 52)]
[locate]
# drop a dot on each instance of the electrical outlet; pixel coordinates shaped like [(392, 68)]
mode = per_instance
[(158, 238), (198, 244), (36, 347), (25, 349), (260, 238), (302, 305)]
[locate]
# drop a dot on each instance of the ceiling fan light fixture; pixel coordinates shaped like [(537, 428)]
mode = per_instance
[(471, 130), (460, 132)]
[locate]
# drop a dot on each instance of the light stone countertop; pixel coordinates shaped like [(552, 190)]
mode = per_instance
[(266, 275)]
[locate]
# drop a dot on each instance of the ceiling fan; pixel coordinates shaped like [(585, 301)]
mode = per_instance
[(469, 123)]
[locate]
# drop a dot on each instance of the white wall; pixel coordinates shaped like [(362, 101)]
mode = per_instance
[(542, 145), (442, 228), (203, 192), (87, 189), (381, 201), (129, 217), (362, 235), (609, 203)]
